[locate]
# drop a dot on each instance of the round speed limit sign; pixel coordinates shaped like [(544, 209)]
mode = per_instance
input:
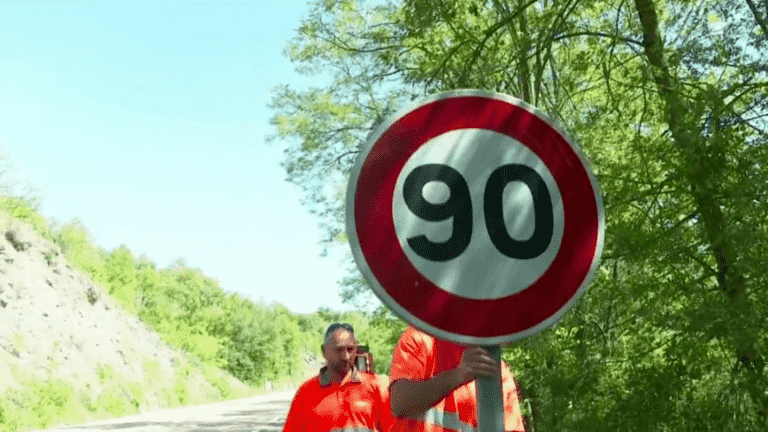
[(474, 218)]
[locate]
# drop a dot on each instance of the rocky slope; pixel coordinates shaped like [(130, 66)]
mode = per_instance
[(102, 356)]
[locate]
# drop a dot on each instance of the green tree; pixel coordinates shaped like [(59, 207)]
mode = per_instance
[(120, 277), (286, 356), (710, 134), (667, 101), (24, 209), (79, 250)]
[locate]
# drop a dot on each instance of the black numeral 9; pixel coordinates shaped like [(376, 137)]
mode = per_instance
[(458, 207)]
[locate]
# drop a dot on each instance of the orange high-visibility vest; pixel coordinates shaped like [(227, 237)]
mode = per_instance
[(358, 404), (418, 357)]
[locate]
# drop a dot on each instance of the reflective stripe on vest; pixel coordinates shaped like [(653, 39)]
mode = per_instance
[(352, 429), (447, 420)]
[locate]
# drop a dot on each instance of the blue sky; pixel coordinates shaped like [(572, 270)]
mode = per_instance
[(146, 120)]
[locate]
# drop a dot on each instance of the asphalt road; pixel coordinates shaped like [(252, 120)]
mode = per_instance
[(258, 413)]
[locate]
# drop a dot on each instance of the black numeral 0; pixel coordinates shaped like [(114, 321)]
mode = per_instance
[(458, 206), (494, 212)]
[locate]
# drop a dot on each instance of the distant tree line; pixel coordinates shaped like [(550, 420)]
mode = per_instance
[(255, 342)]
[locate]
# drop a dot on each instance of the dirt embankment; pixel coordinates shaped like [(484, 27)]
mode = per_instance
[(69, 353)]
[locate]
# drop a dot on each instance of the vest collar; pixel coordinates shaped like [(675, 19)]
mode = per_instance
[(325, 381)]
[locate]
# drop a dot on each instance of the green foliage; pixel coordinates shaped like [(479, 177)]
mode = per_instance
[(671, 334), (180, 387), (219, 383), (284, 336), (38, 405), (91, 295), (105, 373), (16, 243), (11, 415), (114, 401), (118, 397), (120, 277), (25, 210), (87, 402), (51, 401), (80, 251), (181, 391), (137, 395), (381, 335), (252, 341), (48, 255), (151, 370), (196, 340)]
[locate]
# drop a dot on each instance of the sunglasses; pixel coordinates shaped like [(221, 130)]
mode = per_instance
[(335, 326)]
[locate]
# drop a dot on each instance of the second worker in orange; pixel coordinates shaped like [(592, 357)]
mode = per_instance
[(340, 397)]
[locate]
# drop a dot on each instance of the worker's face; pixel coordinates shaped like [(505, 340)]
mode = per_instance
[(340, 350)]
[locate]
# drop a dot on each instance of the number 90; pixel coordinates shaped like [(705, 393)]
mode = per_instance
[(459, 207)]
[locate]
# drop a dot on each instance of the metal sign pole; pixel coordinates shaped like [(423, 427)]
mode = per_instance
[(490, 401)]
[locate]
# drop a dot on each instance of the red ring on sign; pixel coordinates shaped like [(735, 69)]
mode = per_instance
[(415, 293)]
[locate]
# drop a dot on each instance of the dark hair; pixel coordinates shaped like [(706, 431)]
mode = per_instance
[(335, 326)]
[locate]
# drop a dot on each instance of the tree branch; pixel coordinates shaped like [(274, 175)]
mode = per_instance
[(730, 279), (493, 29), (759, 19), (599, 34)]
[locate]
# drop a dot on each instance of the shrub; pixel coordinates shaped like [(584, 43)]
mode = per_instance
[(113, 402), (20, 246), (180, 387), (51, 400), (91, 296), (25, 210), (79, 250), (152, 370), (10, 418), (87, 402), (219, 383), (105, 373), (38, 405), (182, 393), (48, 255), (137, 395)]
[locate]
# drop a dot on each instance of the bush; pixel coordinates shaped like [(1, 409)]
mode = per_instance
[(180, 387), (38, 405), (25, 210), (10, 405), (113, 401), (138, 394), (48, 255), (105, 373), (20, 246), (87, 402), (219, 383), (50, 401), (91, 295), (79, 250), (182, 393)]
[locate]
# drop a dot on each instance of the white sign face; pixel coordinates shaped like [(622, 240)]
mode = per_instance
[(474, 218), (481, 270)]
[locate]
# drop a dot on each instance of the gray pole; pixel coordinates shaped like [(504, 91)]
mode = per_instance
[(490, 401)]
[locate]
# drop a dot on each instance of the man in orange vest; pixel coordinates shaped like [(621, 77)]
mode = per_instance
[(433, 385), (340, 396)]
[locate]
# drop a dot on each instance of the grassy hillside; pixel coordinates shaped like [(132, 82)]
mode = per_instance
[(89, 334)]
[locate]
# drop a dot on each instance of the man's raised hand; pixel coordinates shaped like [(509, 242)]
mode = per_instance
[(476, 361)]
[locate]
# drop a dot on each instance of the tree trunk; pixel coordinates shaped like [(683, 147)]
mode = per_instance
[(523, 51), (691, 143)]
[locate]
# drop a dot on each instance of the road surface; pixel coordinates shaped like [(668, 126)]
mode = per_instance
[(254, 414)]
